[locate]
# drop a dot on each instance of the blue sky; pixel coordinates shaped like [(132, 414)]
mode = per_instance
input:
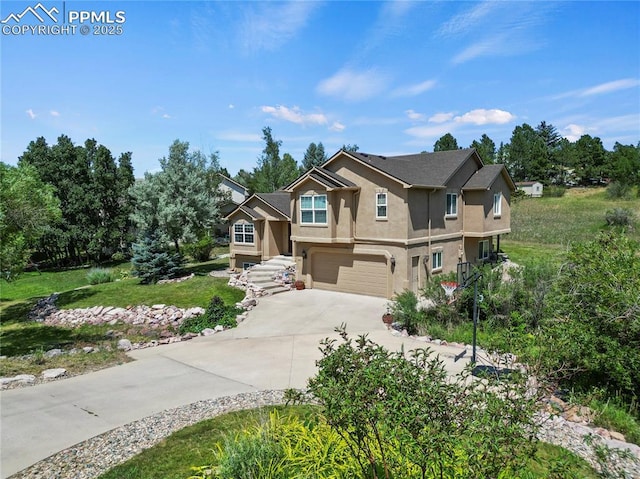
[(391, 77)]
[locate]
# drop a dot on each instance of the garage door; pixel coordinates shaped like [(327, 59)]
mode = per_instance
[(361, 274)]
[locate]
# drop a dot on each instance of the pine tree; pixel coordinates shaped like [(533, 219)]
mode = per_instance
[(151, 262)]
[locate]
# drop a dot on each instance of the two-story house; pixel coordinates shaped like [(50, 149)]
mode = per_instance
[(377, 225)]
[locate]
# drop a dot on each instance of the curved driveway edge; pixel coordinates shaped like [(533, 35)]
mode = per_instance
[(274, 348)]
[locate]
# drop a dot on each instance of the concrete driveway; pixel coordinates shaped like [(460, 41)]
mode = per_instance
[(275, 348)]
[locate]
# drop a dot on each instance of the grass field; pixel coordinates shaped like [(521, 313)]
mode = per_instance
[(543, 229)]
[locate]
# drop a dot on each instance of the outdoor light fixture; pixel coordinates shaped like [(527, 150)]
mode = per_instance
[(425, 260), (304, 254), (392, 260)]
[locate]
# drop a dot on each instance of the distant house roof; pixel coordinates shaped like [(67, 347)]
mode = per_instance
[(235, 183), (485, 176), (427, 170), (527, 183)]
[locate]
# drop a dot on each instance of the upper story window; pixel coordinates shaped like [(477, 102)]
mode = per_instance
[(497, 205), (243, 233), (381, 205), (452, 204), (313, 209)]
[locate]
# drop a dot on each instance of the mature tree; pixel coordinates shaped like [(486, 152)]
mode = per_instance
[(624, 164), (245, 178), (445, 143), (273, 172), (565, 161), (178, 201), (486, 148), (591, 160), (549, 134), (351, 148), (314, 156), (92, 195), (527, 155), (28, 207), (502, 155)]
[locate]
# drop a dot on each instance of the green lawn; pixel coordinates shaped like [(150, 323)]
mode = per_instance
[(194, 446)]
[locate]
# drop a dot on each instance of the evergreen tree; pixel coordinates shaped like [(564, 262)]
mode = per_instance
[(151, 262), (445, 143), (591, 160), (527, 155), (351, 148), (486, 148), (624, 164), (314, 156)]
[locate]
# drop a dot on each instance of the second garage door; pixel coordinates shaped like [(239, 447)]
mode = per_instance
[(349, 273)]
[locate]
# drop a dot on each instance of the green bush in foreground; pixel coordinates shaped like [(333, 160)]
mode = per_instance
[(151, 262)]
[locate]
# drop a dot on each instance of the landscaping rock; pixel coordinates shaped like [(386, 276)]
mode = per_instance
[(186, 337), (124, 345), (54, 373), (52, 353), (88, 349), (208, 332), (218, 328)]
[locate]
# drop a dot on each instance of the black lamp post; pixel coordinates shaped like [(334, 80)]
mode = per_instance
[(465, 279)]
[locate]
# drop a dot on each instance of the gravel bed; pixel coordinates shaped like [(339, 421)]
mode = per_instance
[(97, 455)]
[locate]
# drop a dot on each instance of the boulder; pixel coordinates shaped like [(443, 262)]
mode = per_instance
[(52, 353), (54, 373), (124, 345), (208, 332)]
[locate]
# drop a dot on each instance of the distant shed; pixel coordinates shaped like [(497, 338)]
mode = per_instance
[(530, 188)]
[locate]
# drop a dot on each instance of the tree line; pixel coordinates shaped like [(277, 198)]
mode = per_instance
[(542, 154)]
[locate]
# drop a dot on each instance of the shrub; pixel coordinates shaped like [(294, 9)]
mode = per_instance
[(622, 217), (404, 309), (593, 323), (617, 190), (99, 276), (201, 250), (118, 257), (402, 416), (217, 314), (151, 262), (554, 191)]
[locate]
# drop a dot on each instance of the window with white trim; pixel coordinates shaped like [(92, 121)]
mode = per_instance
[(313, 209), (436, 260), (483, 249), (381, 205), (497, 205), (243, 233), (452, 204)]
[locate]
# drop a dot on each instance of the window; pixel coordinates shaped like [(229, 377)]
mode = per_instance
[(313, 209), (247, 265), (483, 249), (436, 260), (452, 204), (243, 233), (497, 204), (381, 205)]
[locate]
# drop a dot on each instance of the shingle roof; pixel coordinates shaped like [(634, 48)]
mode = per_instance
[(326, 178), (423, 169), (484, 178), (280, 200), (253, 213)]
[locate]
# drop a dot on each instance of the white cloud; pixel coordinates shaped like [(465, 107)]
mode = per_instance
[(54, 113), (31, 114), (488, 46), (353, 86), (295, 115), (166, 116), (231, 106), (268, 26), (337, 126), (484, 117), (611, 86), (467, 20), (415, 116), (573, 132), (415, 89), (440, 117)]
